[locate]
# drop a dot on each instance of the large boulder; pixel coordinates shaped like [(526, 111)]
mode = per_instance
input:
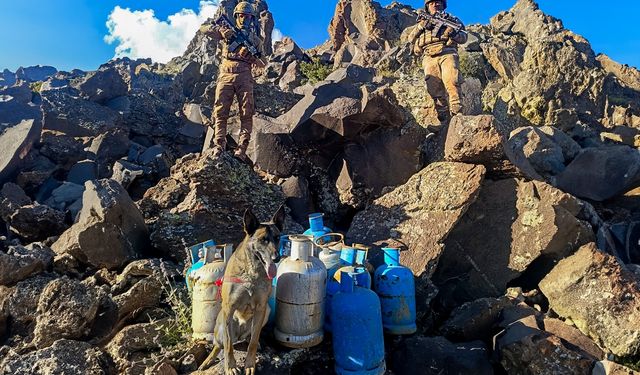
[(12, 197), (110, 229), (37, 222), (63, 357), (20, 126), (515, 228), (66, 309), (20, 263), (103, 85), (421, 213), (600, 296), (67, 113), (601, 173), (205, 198)]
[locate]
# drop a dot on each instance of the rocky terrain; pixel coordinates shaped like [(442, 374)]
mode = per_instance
[(521, 218)]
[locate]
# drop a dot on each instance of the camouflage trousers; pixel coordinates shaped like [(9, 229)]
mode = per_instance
[(442, 76), (240, 86)]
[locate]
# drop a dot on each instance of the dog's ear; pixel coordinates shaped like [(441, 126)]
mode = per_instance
[(278, 218), (251, 222)]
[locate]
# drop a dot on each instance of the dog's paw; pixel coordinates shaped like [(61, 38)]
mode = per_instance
[(250, 371), (233, 371)]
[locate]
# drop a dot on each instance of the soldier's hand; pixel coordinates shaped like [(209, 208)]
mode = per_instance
[(244, 53), (449, 32), (428, 25), (226, 33)]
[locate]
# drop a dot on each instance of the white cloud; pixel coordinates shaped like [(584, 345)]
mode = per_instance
[(276, 35), (140, 34)]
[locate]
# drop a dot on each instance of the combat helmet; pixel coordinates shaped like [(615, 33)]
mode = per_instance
[(444, 3), (243, 7)]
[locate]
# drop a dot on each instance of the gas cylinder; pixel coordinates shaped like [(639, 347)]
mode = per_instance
[(284, 248), (206, 297), (300, 294), (330, 245), (316, 228), (396, 288), (360, 261), (358, 342), (347, 259), (197, 259)]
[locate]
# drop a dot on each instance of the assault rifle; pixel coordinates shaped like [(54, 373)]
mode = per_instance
[(440, 20), (239, 39)]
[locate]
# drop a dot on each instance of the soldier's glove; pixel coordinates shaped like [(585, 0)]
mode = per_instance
[(449, 33), (226, 33), (244, 53), (428, 25)]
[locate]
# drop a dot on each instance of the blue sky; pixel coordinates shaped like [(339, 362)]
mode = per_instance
[(70, 33)]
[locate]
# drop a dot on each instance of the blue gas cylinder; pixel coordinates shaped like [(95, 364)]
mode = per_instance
[(197, 259), (316, 226), (396, 288), (347, 258), (358, 342)]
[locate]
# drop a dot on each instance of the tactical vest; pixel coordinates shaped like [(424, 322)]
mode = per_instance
[(435, 45), (232, 62)]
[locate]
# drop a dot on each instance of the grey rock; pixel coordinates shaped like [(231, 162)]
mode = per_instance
[(601, 173), (20, 263), (298, 199), (66, 309), (37, 222), (61, 148), (600, 296), (12, 197), (103, 85), (475, 320), (63, 357), (110, 229), (83, 171), (64, 195)]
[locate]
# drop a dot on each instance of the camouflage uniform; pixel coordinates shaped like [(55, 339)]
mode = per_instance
[(441, 65), (234, 79)]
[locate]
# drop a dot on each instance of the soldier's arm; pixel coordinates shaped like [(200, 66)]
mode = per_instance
[(212, 31), (461, 36)]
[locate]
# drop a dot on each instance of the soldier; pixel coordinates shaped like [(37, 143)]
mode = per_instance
[(235, 79), (441, 61)]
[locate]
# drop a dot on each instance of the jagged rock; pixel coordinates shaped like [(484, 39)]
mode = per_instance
[(474, 320), (20, 126), (63, 357), (65, 112), (541, 151), (35, 172), (366, 171), (35, 73), (436, 355), (601, 173), (600, 296), (103, 85), (12, 197), (61, 148), (110, 229), (526, 228), (218, 190), (5, 292), (270, 148), (286, 50), (108, 148), (136, 339), (291, 78), (337, 108), (361, 30), (625, 73), (421, 213), (20, 263), (66, 309), (573, 336), (125, 173), (23, 302), (144, 294), (523, 349), (475, 140), (298, 199), (37, 222)]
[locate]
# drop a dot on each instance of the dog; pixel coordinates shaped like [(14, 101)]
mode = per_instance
[(245, 290)]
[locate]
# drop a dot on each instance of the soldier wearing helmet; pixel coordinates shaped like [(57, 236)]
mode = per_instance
[(235, 79), (440, 61)]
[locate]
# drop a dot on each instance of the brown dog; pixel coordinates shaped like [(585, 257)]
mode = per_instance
[(246, 287)]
